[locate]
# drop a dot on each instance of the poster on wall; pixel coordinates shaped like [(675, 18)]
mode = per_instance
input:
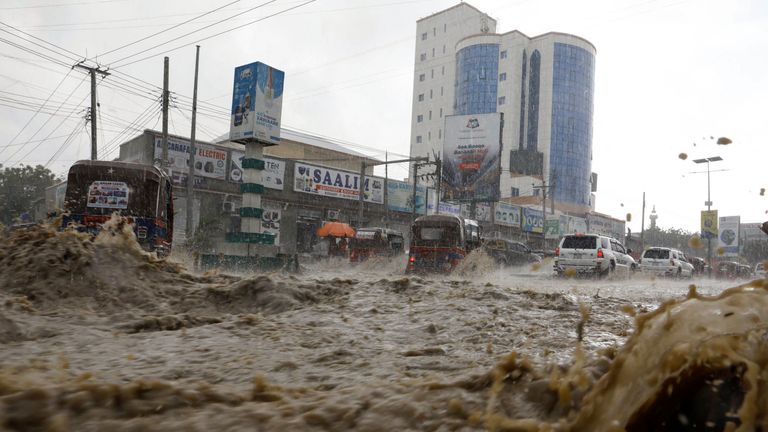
[(572, 225), (334, 183), (400, 197), (471, 158), (533, 220), (270, 221), (552, 228), (728, 235), (273, 174), (108, 194), (482, 211), (210, 162), (257, 101), (507, 215)]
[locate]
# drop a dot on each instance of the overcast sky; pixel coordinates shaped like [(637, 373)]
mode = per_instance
[(669, 74)]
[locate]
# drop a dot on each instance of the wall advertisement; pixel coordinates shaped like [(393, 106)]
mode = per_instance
[(572, 225), (257, 101), (709, 224), (270, 220), (400, 197), (728, 235), (273, 175), (333, 183), (507, 215), (471, 157), (482, 211), (210, 162), (533, 220), (606, 226), (552, 228)]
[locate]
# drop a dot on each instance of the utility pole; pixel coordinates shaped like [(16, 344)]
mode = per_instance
[(165, 115), (415, 183), (360, 195), (439, 171), (93, 71), (192, 152), (642, 228), (386, 187)]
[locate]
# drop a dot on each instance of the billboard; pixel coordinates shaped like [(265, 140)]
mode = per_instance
[(607, 226), (552, 228), (273, 175), (482, 211), (709, 224), (533, 220), (728, 235), (471, 157), (333, 183), (257, 102), (506, 215), (210, 162), (572, 225), (400, 197)]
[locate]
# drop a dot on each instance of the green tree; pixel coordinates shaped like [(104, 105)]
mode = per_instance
[(20, 187)]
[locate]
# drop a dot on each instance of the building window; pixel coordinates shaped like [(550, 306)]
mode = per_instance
[(419, 118), (503, 76), (433, 73), (515, 192), (421, 97), (423, 56), (504, 54), (429, 135), (445, 28), (441, 90), (430, 114), (434, 31), (430, 93), (422, 77), (533, 101), (423, 36), (441, 113), (443, 49), (443, 71), (502, 100), (433, 53), (477, 67), (439, 134), (418, 139)]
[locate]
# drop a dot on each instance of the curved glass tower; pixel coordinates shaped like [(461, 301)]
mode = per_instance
[(477, 71)]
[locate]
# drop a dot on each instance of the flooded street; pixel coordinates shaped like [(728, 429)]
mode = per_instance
[(101, 336)]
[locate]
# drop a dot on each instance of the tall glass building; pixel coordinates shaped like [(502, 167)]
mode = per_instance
[(544, 86)]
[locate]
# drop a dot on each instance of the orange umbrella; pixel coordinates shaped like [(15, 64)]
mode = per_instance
[(336, 229)]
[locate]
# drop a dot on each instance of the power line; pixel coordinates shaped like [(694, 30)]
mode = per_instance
[(171, 28), (194, 31), (53, 5), (220, 33), (75, 58), (64, 145)]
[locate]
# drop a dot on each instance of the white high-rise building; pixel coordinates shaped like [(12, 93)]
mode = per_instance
[(543, 85)]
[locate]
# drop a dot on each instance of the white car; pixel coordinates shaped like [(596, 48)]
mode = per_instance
[(760, 270), (665, 261), (592, 254)]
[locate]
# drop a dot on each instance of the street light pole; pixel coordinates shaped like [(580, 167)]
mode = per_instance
[(709, 205)]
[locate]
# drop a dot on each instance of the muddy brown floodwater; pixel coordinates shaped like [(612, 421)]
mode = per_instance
[(98, 335)]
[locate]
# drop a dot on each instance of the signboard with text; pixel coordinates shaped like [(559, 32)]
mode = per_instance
[(533, 220), (210, 161), (728, 236), (471, 158), (506, 215), (257, 102), (400, 197), (709, 224), (334, 183), (272, 176)]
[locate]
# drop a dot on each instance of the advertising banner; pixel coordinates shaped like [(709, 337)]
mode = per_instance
[(270, 220), (572, 225), (728, 236), (607, 226), (507, 215), (257, 101), (449, 209), (333, 183), (108, 194), (552, 228), (272, 176), (471, 157), (533, 220), (709, 224), (400, 197), (482, 211), (210, 162)]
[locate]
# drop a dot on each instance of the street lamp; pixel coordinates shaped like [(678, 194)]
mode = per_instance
[(708, 203)]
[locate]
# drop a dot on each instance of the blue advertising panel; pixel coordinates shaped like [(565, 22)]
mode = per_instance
[(533, 220), (400, 197), (257, 101)]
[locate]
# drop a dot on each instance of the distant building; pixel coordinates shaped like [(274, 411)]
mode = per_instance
[(543, 85)]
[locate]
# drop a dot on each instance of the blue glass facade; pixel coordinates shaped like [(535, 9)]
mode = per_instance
[(533, 101), (570, 155), (477, 71), (522, 101)]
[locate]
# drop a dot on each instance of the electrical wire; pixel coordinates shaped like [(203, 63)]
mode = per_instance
[(64, 145), (220, 33)]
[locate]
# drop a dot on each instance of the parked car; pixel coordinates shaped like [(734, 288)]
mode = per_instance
[(699, 265), (727, 270), (666, 262), (745, 271), (592, 254), (507, 252), (760, 270)]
